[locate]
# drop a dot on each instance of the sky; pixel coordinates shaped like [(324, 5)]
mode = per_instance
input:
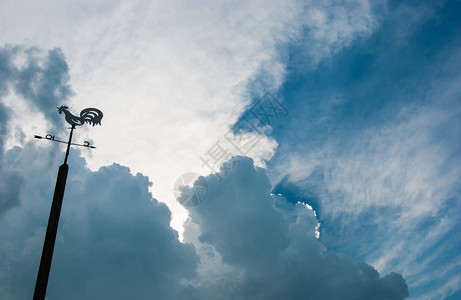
[(325, 136)]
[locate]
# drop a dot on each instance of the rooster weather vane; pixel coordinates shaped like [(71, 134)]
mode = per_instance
[(92, 116)]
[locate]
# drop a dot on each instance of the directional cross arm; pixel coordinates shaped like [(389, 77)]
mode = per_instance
[(51, 138)]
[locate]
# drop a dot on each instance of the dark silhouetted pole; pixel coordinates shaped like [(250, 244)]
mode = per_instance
[(52, 228), (88, 115)]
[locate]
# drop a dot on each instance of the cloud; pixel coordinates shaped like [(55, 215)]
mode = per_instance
[(388, 193), (11, 181), (10, 187), (173, 78), (267, 247), (5, 77), (42, 82), (379, 148), (114, 240), (41, 79), (331, 26)]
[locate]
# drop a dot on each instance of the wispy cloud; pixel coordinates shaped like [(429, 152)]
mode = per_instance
[(378, 155)]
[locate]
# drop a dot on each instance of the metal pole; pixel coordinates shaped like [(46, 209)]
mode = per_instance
[(69, 143), (52, 228)]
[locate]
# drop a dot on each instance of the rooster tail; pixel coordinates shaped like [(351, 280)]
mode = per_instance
[(92, 116)]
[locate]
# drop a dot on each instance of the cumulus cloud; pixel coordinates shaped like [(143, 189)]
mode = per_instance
[(114, 239), (11, 182), (268, 248), (113, 242), (10, 187), (42, 79), (136, 62), (35, 83)]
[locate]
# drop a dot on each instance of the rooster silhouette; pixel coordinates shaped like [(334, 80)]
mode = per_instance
[(91, 116)]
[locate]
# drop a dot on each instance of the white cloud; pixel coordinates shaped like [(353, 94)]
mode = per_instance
[(250, 244), (398, 178), (171, 78), (334, 25)]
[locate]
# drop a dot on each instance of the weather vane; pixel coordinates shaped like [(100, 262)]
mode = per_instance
[(92, 116)]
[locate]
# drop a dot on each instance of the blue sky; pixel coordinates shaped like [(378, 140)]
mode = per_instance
[(378, 127), (350, 192)]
